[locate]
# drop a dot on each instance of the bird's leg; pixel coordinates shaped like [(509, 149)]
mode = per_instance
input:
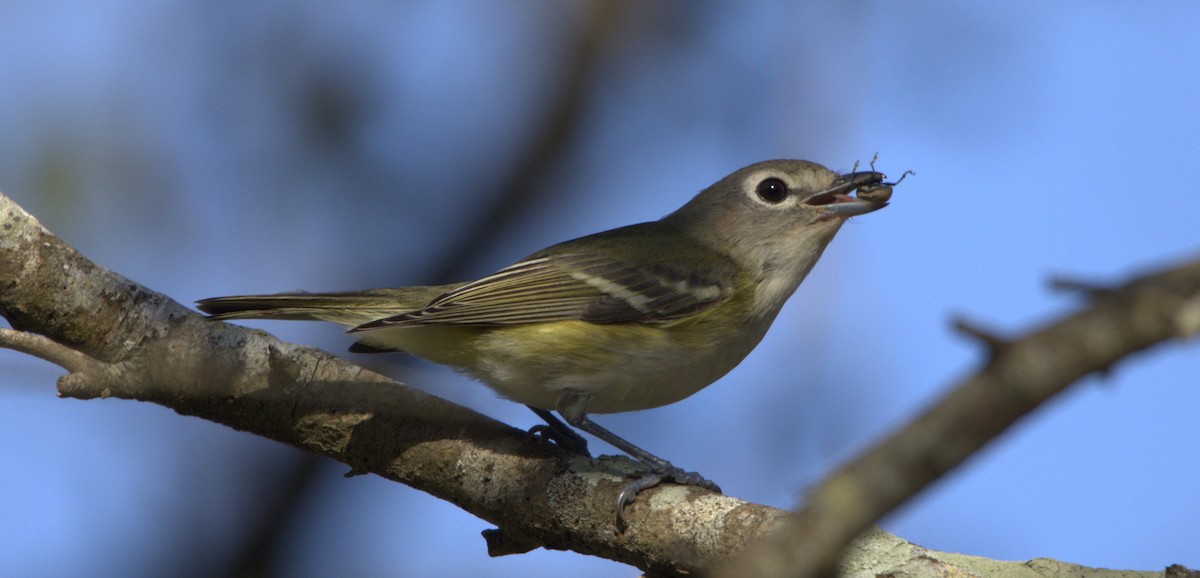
[(572, 405), (558, 432)]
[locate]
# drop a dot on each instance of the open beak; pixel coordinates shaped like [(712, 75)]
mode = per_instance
[(837, 200)]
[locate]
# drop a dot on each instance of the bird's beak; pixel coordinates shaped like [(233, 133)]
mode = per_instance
[(837, 200)]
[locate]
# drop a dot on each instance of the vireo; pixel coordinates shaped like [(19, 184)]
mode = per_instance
[(627, 319)]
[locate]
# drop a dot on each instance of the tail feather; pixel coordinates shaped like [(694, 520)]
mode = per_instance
[(347, 308)]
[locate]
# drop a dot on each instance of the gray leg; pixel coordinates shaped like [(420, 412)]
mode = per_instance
[(573, 407)]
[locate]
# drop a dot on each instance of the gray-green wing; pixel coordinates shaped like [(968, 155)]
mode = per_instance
[(630, 275)]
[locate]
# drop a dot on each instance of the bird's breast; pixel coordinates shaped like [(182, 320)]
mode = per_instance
[(625, 367)]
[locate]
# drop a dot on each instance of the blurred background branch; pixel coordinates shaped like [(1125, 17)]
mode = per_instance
[(1018, 377)]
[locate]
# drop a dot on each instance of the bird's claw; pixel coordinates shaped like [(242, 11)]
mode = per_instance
[(651, 479), (693, 479), (565, 439)]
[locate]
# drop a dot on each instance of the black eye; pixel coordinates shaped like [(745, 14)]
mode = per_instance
[(772, 190)]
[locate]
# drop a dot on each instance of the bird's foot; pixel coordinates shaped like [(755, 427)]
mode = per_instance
[(651, 479), (566, 439)]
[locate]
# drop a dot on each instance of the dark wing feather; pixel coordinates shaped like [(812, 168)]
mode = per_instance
[(557, 285)]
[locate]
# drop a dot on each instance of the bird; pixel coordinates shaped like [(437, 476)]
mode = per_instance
[(627, 319)]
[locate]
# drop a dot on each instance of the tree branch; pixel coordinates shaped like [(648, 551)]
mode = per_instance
[(113, 336)]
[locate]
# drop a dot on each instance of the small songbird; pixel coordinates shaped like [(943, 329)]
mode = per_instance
[(627, 319)]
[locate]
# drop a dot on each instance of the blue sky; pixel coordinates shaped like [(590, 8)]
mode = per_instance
[(184, 145)]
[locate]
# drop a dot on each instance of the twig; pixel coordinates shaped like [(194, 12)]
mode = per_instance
[(45, 349)]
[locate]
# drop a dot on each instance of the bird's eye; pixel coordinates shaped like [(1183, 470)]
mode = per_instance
[(772, 190)]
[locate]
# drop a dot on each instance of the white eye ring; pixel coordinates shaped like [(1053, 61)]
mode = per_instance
[(772, 190)]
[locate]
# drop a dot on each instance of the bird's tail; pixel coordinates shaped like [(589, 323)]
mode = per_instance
[(346, 308)]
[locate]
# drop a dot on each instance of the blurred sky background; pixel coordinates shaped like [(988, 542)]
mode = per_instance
[(214, 148)]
